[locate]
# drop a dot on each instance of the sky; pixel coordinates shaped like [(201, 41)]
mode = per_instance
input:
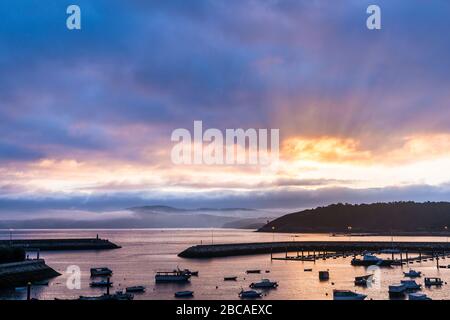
[(86, 115)]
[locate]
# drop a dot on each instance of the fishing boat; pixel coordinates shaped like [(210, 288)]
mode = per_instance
[(397, 290), (347, 295), (433, 282), (101, 272), (250, 294), (324, 275), (172, 276), (184, 294), (254, 271), (411, 285), (264, 283), (418, 296), (135, 289), (232, 278), (412, 274), (363, 280), (101, 283)]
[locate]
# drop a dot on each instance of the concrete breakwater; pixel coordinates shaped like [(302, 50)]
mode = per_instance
[(20, 273), (227, 250), (61, 244)]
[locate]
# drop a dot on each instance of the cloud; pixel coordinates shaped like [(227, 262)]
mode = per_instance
[(356, 108)]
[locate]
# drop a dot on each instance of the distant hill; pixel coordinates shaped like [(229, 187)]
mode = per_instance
[(168, 209), (153, 216), (395, 217)]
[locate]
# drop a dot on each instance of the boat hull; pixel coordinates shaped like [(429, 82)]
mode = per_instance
[(169, 278)]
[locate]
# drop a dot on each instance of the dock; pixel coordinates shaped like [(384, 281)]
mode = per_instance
[(314, 250), (60, 244)]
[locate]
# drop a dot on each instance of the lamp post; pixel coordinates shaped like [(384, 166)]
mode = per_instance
[(10, 237), (349, 228), (273, 234), (446, 234)]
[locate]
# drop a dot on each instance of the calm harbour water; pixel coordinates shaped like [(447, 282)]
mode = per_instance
[(146, 251)]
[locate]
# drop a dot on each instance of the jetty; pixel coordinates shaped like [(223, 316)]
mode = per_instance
[(312, 250), (60, 244)]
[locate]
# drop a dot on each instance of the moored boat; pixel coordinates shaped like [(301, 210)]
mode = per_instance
[(433, 282), (324, 275), (184, 294), (363, 280), (135, 289), (412, 274), (370, 260), (411, 285), (397, 290), (264, 283), (232, 278), (418, 296), (101, 283), (172, 276), (253, 271), (101, 272), (347, 295), (250, 294)]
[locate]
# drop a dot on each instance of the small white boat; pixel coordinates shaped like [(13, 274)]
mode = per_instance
[(397, 290), (411, 285), (264, 283), (418, 296), (412, 274), (184, 294), (250, 294), (347, 295)]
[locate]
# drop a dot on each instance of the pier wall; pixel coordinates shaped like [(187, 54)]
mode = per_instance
[(226, 250), (61, 244)]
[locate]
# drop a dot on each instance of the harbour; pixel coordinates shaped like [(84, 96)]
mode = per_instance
[(146, 252)]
